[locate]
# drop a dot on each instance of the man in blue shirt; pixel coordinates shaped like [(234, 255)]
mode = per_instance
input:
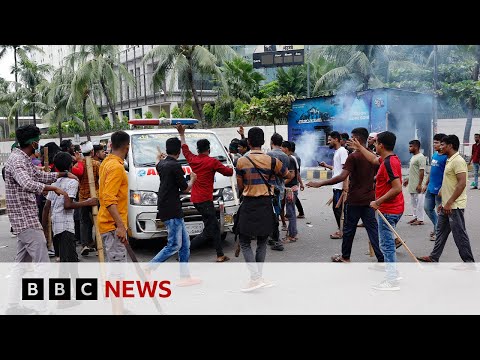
[(434, 183)]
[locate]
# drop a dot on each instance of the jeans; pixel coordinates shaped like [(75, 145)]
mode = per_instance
[(432, 201), (353, 213), (211, 229), (291, 215), (417, 206), (387, 243), (476, 167), (254, 263), (178, 241), (276, 232), (454, 223), (337, 211)]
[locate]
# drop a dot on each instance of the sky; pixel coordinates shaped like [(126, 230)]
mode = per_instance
[(5, 66)]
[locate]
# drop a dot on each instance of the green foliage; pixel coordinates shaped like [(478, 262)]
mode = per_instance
[(273, 109), (13, 135), (176, 112), (163, 114), (138, 116), (148, 115), (187, 111), (53, 130), (208, 112), (270, 89), (107, 126)]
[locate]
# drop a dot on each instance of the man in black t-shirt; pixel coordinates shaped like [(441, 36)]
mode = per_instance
[(170, 210)]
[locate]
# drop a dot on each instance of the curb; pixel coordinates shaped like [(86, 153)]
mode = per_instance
[(315, 173)]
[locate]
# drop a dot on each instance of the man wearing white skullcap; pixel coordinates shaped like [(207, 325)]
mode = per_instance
[(86, 224), (372, 137)]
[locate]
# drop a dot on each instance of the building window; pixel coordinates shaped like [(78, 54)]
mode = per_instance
[(138, 111), (126, 113)]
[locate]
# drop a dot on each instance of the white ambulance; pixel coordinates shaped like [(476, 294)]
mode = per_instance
[(143, 179)]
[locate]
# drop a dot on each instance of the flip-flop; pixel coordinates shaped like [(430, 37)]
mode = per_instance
[(339, 258), (223, 258), (336, 236)]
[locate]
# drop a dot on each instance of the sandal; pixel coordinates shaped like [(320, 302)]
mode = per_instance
[(398, 243), (336, 235), (289, 239), (222, 258), (339, 258), (417, 222), (412, 221)]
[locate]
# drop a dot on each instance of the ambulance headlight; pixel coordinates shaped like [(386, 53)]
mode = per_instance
[(143, 198), (228, 194)]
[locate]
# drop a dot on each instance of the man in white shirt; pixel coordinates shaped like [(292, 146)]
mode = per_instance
[(339, 159)]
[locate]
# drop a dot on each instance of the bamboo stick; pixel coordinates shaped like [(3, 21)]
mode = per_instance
[(93, 194)]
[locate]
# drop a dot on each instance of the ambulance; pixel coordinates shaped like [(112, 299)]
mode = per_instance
[(144, 182)]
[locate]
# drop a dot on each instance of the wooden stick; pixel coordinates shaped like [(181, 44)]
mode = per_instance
[(398, 236), (370, 249), (93, 194), (329, 202), (46, 168)]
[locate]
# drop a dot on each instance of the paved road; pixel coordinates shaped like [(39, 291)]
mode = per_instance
[(314, 244)]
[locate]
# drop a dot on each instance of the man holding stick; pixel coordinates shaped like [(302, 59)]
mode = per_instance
[(389, 199), (360, 194), (339, 159)]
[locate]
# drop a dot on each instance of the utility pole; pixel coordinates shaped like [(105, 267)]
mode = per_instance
[(307, 58), (434, 103)]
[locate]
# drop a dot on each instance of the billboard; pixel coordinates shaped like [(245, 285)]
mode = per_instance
[(278, 55)]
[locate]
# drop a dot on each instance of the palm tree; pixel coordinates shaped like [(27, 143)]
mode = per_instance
[(100, 64), (20, 49), (31, 75), (243, 82), (355, 66), (185, 61), (57, 93)]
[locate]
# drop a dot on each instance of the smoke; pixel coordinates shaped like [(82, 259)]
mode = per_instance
[(306, 148)]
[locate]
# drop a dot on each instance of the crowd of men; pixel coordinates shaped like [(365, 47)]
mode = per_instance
[(367, 185)]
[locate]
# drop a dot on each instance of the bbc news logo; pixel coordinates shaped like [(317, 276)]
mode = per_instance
[(59, 289), (87, 289)]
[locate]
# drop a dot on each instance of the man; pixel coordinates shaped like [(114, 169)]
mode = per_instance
[(434, 183), (233, 151), (389, 200), (454, 201), (339, 158), (85, 213), (277, 153), (170, 210), (372, 137), (113, 198), (243, 147), (298, 204), (99, 153), (360, 194), (291, 193), (343, 142), (475, 159), (414, 182), (22, 181), (256, 214), (202, 190)]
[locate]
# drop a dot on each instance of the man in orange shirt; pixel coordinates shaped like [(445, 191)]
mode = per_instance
[(113, 198)]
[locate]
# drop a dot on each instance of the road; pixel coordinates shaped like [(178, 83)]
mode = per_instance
[(314, 244)]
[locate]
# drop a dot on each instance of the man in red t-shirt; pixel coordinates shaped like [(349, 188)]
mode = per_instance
[(202, 190), (389, 200), (475, 159)]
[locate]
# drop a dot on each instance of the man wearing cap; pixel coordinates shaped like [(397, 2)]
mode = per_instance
[(86, 223)]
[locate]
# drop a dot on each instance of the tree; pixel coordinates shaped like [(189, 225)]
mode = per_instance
[(17, 49), (100, 64), (355, 66), (28, 98), (185, 61), (242, 80), (271, 109)]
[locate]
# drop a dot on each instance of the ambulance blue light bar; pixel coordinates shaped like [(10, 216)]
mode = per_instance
[(162, 121)]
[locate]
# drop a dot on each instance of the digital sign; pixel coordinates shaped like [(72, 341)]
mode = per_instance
[(278, 55)]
